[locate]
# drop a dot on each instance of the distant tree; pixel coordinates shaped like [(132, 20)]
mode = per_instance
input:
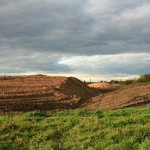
[(40, 75), (128, 81), (114, 81), (144, 78)]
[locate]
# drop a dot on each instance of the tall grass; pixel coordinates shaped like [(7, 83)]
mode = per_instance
[(126, 129)]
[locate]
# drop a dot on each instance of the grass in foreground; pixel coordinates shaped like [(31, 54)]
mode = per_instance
[(124, 129)]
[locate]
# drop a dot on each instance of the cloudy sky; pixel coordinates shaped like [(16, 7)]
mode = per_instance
[(101, 38)]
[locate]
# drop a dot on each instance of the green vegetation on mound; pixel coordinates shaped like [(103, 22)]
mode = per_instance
[(124, 129)]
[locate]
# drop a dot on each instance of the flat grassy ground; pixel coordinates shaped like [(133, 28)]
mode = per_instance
[(126, 129)]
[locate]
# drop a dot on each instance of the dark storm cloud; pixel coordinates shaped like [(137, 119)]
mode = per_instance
[(43, 26), (69, 26), (53, 29)]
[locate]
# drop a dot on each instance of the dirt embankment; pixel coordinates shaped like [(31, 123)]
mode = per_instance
[(136, 95), (26, 93)]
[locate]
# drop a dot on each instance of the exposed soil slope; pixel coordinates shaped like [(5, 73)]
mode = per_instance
[(136, 95), (25, 93)]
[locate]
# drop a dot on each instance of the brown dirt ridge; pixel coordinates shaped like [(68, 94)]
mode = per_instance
[(27, 93), (40, 92)]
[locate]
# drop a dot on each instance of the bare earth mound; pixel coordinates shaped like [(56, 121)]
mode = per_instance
[(104, 85), (129, 96), (26, 93)]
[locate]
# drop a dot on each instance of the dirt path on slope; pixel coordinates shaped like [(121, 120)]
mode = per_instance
[(137, 95)]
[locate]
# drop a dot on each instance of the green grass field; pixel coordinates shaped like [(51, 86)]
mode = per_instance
[(126, 129)]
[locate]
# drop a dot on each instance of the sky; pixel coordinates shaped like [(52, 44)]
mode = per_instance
[(100, 39)]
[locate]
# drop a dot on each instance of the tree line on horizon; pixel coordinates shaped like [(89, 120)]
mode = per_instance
[(142, 78)]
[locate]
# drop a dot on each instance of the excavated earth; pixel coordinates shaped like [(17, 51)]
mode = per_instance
[(134, 95), (40, 92), (27, 93), (104, 85)]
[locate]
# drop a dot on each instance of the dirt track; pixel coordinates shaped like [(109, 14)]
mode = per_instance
[(28, 93), (134, 95)]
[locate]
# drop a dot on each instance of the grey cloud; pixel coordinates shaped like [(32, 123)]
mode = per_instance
[(110, 64), (54, 29), (22, 62), (67, 27), (43, 26)]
